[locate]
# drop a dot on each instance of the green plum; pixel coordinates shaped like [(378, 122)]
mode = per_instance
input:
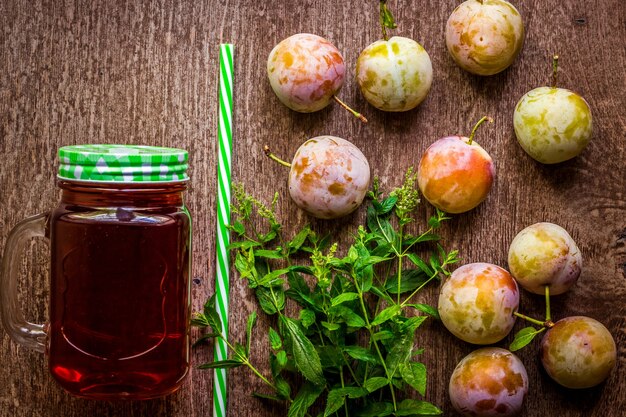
[(544, 254), (477, 303), (552, 124), (578, 352), (394, 75), (485, 36)]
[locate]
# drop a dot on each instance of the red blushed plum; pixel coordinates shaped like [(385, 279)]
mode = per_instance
[(305, 72), (477, 303), (489, 382), (454, 175), (329, 177), (578, 352)]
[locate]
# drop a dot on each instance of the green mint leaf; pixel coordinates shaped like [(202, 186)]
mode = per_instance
[(401, 349), (425, 308), (304, 399), (383, 335), (334, 402), (299, 268), (243, 245), (271, 299), (238, 228), (434, 222), (268, 254), (418, 262), (434, 263), (386, 314), (204, 338), (275, 341), (376, 410), (249, 327), (225, 364), (245, 267), (361, 354), (282, 387), (266, 396), (240, 352), (330, 356), (414, 374), (351, 318), (275, 365), (386, 206), (412, 324), (427, 237), (199, 320), (409, 281), (272, 278), (337, 397), (342, 298), (524, 337), (382, 294), (210, 313), (331, 326), (281, 358), (411, 407), (376, 383), (307, 318), (296, 243), (306, 358)]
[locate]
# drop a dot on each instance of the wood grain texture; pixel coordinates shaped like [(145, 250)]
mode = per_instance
[(146, 72)]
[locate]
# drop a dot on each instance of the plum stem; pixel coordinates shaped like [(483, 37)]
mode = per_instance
[(547, 324), (480, 122), (354, 112), (548, 318), (555, 70), (274, 158), (530, 319)]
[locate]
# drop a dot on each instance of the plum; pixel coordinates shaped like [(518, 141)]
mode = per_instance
[(477, 303), (394, 75), (306, 72), (545, 254), (329, 177), (489, 382), (578, 352), (552, 124), (455, 174), (485, 36)]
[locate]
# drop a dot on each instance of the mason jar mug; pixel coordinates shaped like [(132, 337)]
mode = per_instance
[(120, 259)]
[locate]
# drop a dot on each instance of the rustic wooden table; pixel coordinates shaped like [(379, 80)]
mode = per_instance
[(146, 73)]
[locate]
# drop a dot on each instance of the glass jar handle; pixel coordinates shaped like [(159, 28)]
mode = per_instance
[(21, 331)]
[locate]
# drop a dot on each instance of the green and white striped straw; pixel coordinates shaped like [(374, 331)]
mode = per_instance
[(225, 144)]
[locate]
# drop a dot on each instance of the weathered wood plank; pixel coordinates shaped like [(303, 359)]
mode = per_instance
[(145, 72)]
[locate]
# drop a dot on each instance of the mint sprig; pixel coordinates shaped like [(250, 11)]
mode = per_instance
[(353, 339)]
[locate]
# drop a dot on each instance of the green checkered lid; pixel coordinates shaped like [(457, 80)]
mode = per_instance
[(122, 163)]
